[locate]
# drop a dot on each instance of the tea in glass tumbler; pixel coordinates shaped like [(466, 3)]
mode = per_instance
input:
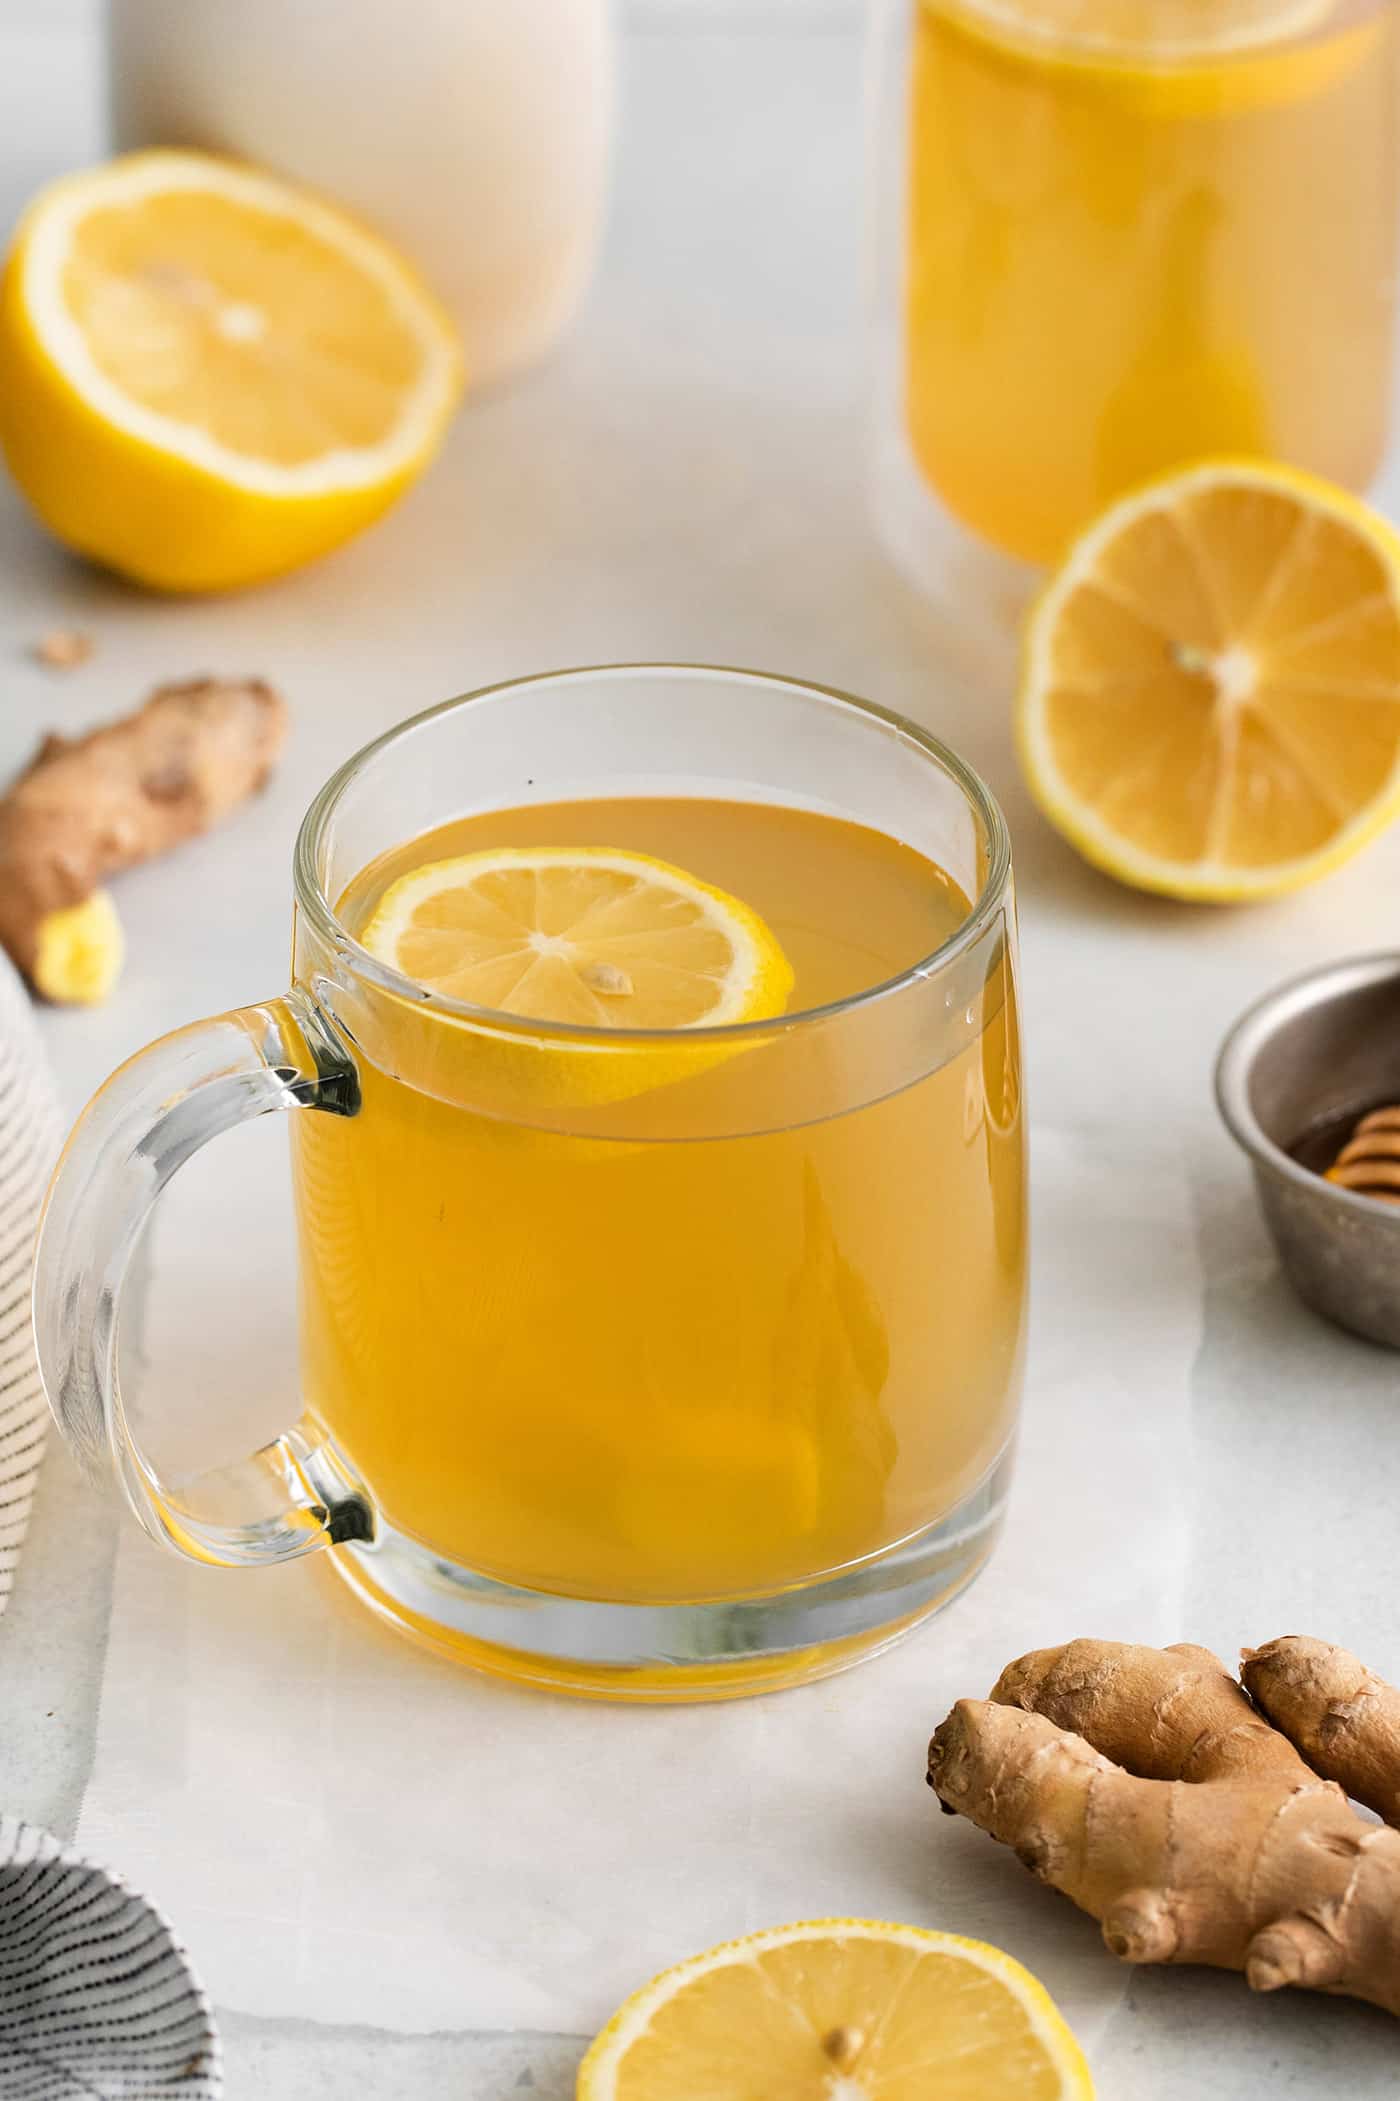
[(1125, 234)]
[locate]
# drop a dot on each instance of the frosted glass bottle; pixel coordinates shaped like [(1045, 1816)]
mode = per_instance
[(473, 133)]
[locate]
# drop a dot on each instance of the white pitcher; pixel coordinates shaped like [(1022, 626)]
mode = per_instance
[(473, 133)]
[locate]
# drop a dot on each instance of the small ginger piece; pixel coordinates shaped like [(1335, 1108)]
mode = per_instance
[(88, 807), (1144, 1785), (63, 649), (79, 951)]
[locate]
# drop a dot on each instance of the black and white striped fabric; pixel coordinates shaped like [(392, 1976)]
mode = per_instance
[(29, 1138), (97, 1998)]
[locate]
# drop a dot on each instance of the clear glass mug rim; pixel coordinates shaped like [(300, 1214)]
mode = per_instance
[(313, 902)]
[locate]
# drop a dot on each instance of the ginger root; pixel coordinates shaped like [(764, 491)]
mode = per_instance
[(1145, 1785), (63, 649), (1344, 1720), (88, 807)]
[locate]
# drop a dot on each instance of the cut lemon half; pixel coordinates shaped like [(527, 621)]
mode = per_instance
[(839, 2010), (1210, 697), (584, 936), (207, 376)]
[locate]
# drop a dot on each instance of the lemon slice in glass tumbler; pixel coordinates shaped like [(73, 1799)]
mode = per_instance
[(1144, 31)]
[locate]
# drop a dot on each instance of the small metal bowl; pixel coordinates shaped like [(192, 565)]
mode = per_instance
[(1319, 1053)]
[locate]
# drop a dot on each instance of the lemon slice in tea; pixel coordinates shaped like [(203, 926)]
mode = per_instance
[(839, 2010), (581, 935)]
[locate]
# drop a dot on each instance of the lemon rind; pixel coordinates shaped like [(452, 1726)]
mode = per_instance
[(1207, 881), (43, 242)]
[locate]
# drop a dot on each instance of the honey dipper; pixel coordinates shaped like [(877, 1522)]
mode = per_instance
[(1369, 1162)]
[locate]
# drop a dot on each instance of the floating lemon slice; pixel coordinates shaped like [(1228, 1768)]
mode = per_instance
[(1210, 700), (1170, 31), (207, 376), (581, 935), (839, 2010), (1182, 60)]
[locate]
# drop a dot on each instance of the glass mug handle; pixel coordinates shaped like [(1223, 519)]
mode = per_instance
[(151, 1116)]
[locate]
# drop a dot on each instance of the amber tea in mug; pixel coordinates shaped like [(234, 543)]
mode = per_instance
[(657, 1363)]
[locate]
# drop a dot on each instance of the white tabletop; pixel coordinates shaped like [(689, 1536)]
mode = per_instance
[(687, 479)]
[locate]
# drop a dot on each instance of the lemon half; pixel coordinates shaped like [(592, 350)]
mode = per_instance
[(839, 2010), (207, 376), (1210, 697)]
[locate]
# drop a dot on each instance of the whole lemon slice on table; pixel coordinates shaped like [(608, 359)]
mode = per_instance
[(839, 2010), (1210, 696), (208, 377)]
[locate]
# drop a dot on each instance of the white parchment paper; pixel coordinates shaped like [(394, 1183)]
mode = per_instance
[(351, 1831)]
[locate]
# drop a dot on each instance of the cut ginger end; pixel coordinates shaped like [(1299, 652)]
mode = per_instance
[(78, 952)]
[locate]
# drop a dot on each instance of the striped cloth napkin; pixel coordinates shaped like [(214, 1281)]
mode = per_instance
[(30, 1130), (98, 2001)]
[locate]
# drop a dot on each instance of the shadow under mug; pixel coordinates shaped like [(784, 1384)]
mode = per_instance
[(792, 1453)]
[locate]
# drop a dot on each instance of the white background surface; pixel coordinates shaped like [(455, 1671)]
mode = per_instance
[(379, 1863)]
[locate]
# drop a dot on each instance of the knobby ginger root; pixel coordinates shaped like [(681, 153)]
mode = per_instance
[(1344, 1720), (1144, 1785), (88, 807)]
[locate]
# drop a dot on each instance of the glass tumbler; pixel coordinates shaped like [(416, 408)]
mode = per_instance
[(795, 1441), (1115, 236)]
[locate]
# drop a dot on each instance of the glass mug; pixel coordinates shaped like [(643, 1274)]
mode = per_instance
[(1115, 238), (651, 1364)]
